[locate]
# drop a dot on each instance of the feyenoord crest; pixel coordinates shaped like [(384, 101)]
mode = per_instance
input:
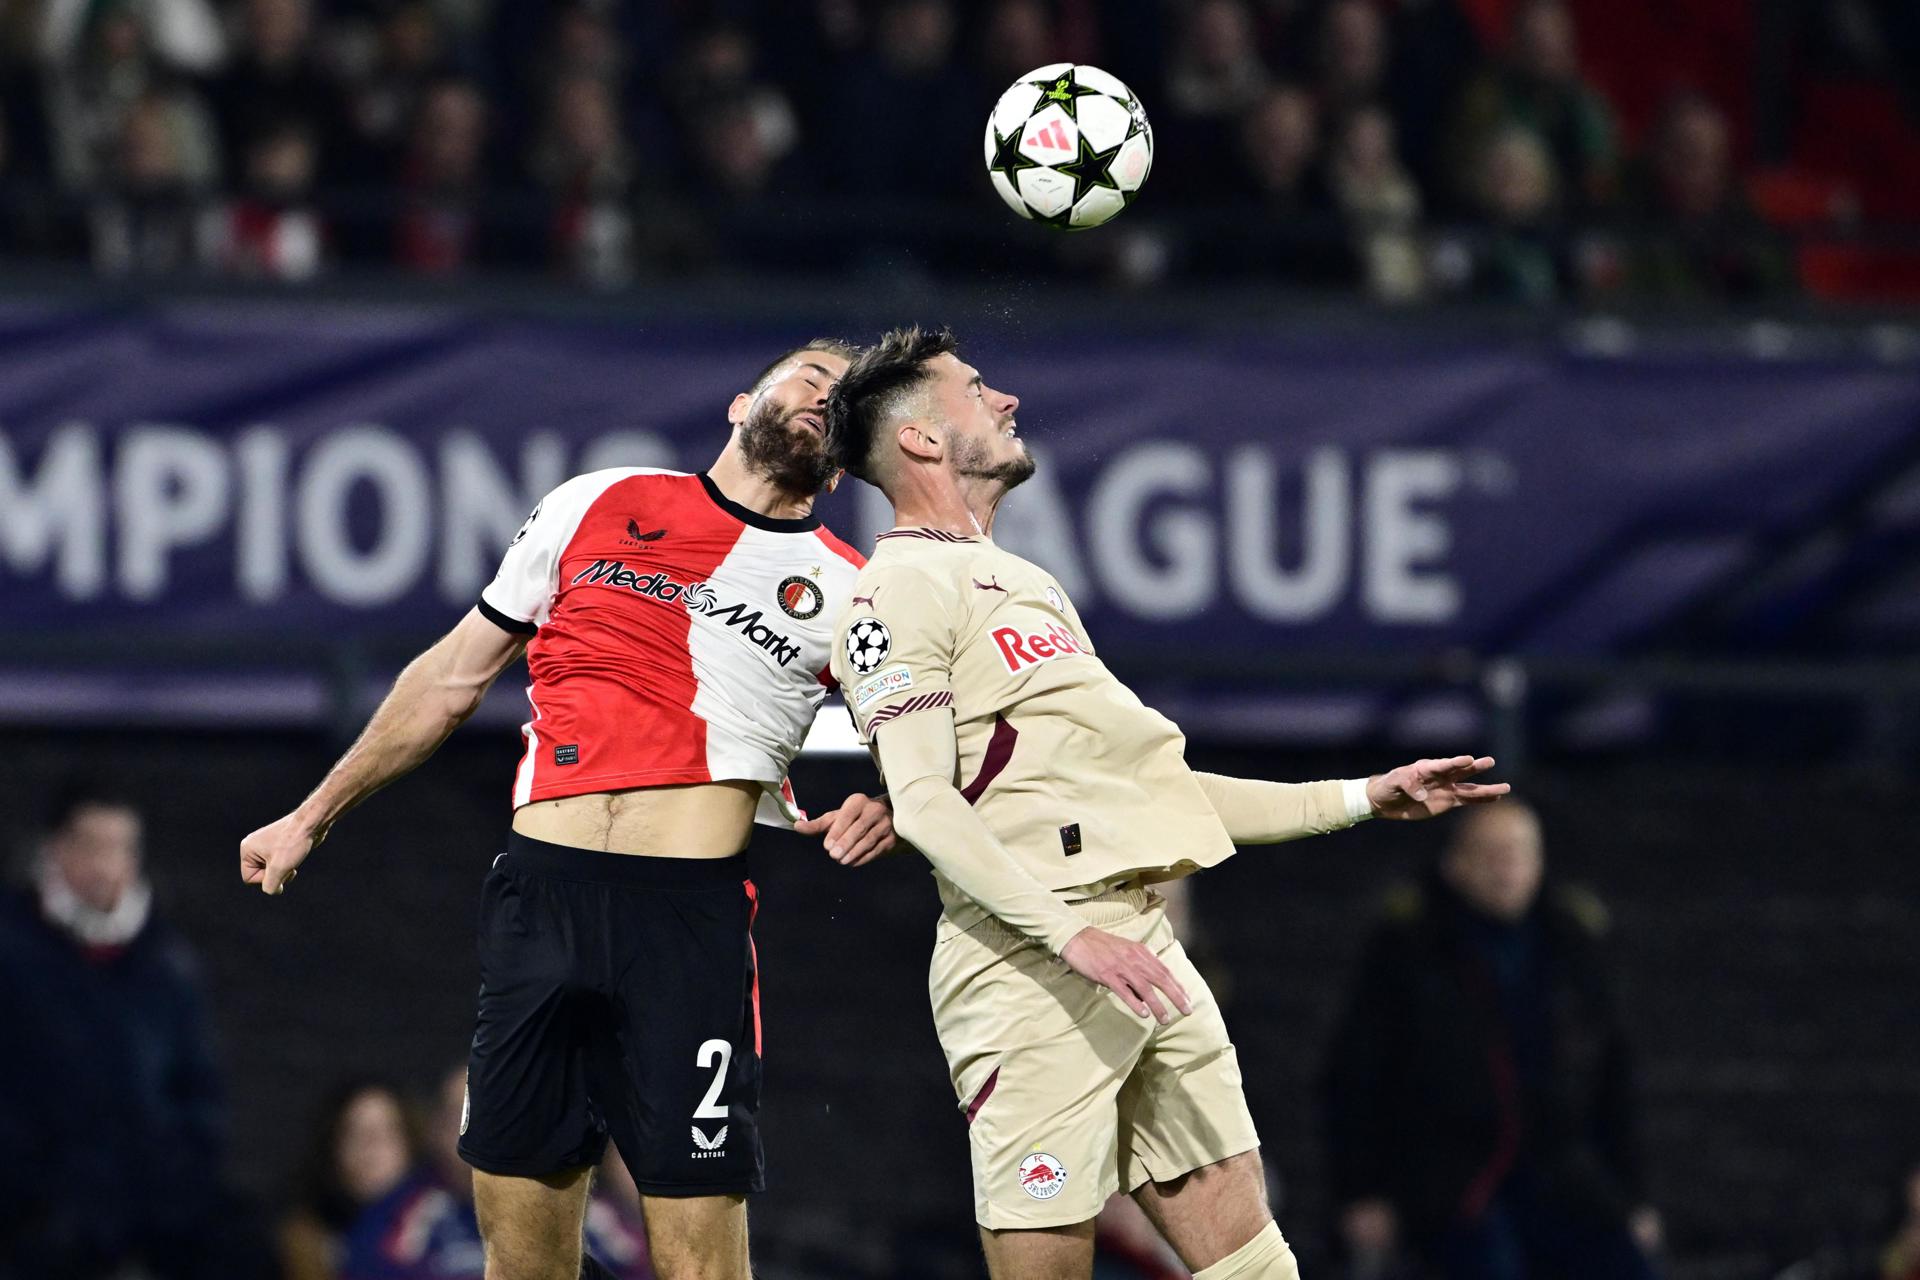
[(868, 644), (1042, 1177), (801, 597)]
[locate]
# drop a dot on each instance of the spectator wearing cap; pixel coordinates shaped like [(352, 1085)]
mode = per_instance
[(112, 1114), (1478, 1087)]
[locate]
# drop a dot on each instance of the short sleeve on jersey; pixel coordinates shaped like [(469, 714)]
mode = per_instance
[(893, 652), (518, 597)]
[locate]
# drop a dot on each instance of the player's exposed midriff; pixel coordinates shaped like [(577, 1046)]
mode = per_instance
[(698, 820)]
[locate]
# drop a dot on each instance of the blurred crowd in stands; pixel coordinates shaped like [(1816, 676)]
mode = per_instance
[(1405, 148)]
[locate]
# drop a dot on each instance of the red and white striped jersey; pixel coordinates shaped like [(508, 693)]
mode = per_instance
[(677, 636)]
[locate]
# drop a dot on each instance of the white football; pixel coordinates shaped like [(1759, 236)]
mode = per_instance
[(1068, 145)]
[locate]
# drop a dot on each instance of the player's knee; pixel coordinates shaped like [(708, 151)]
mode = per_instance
[(516, 1260), (700, 1238), (1265, 1257), (700, 1260)]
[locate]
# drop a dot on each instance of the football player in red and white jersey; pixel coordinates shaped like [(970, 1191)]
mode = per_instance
[(676, 629)]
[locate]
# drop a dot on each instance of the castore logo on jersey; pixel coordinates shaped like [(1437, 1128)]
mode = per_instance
[(696, 597)]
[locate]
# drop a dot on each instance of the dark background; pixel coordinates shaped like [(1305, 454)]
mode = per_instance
[(1765, 915)]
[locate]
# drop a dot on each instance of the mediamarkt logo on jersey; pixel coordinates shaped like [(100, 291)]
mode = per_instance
[(1031, 649), (698, 597)]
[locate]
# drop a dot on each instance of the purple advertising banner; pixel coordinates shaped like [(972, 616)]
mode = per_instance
[(297, 472)]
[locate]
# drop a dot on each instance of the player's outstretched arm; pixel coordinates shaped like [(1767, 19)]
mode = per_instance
[(1257, 812), (1429, 788), (918, 755), (437, 691)]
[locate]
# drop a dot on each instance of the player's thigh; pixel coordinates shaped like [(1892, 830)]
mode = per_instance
[(531, 1226), (1051, 1253), (697, 1237), (1209, 1212), (528, 1111), (675, 1058), (1184, 1107), (1038, 1057)]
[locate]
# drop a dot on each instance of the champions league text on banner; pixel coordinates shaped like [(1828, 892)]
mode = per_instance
[(268, 473)]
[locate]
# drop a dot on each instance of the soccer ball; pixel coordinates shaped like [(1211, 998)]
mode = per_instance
[(868, 643), (1069, 146)]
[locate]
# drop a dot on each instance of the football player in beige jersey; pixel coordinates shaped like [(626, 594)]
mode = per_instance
[(1049, 799)]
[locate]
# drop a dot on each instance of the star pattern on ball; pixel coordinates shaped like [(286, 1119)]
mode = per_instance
[(1008, 159), (1064, 89), (1089, 169)]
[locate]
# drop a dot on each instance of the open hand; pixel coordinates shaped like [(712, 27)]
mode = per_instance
[(1428, 788), (859, 831), (1129, 970), (271, 856)]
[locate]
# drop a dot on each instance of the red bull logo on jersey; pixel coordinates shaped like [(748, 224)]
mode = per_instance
[(1020, 649), (1041, 1176)]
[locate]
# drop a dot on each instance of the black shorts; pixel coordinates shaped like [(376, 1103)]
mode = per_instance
[(619, 996)]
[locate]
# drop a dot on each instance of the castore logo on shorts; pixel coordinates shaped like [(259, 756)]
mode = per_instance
[(697, 597)]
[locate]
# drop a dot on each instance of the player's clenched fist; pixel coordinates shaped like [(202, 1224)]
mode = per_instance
[(1129, 970), (272, 855)]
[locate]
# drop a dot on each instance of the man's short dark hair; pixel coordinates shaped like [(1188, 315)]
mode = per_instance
[(832, 346), (78, 794), (875, 386)]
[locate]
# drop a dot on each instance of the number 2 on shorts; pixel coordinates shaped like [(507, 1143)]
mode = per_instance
[(710, 1108)]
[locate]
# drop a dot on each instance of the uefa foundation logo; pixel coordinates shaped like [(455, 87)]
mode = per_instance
[(1042, 1177)]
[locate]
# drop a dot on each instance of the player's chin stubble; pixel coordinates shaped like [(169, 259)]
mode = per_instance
[(971, 460), (791, 457)]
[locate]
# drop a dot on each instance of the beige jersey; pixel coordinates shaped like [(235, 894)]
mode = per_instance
[(1082, 783)]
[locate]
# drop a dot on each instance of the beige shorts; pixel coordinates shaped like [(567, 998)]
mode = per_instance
[(1069, 1095)]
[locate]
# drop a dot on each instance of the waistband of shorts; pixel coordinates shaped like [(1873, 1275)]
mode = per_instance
[(596, 866), (1109, 907)]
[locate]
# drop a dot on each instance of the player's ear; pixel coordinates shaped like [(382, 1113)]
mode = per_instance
[(737, 411), (916, 441)]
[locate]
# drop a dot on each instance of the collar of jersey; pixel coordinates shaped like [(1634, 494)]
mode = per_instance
[(747, 515), (928, 531)]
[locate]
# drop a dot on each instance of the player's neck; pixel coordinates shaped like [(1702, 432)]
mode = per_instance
[(951, 505), (733, 477)]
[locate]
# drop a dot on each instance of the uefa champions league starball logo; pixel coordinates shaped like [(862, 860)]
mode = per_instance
[(868, 644)]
